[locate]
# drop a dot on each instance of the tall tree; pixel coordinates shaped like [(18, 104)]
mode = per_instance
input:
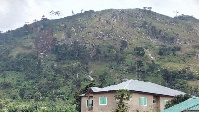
[(122, 95), (37, 98)]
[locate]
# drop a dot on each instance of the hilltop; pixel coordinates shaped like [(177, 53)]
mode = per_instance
[(59, 57)]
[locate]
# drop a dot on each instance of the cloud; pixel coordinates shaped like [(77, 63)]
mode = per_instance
[(11, 13), (14, 13)]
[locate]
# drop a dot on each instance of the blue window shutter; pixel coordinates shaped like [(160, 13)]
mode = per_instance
[(90, 102), (141, 101), (103, 100), (145, 101)]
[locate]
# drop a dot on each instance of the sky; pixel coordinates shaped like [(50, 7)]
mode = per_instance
[(15, 13)]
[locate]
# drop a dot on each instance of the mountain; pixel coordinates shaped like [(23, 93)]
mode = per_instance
[(47, 61)]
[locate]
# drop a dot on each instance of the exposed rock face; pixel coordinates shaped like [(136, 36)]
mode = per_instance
[(43, 41)]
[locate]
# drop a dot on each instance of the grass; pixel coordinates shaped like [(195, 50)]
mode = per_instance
[(18, 50), (194, 83), (173, 66)]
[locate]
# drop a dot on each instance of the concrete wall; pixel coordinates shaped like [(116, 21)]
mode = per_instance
[(133, 103), (111, 102), (156, 105), (162, 98), (83, 104)]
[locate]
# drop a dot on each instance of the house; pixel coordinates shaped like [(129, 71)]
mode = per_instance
[(189, 105), (145, 96)]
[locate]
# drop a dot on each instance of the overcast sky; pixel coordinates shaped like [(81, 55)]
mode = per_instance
[(14, 13)]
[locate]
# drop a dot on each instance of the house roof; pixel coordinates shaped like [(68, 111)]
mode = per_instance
[(140, 86), (82, 95), (191, 104)]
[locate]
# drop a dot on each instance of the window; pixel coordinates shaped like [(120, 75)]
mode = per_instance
[(102, 100), (89, 103), (143, 101), (165, 102), (154, 101)]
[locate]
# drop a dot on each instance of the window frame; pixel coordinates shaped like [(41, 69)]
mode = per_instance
[(100, 101), (154, 100), (143, 101), (87, 102)]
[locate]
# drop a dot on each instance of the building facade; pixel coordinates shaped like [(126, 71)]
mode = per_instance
[(103, 99)]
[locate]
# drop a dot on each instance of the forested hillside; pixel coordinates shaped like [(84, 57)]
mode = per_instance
[(43, 64)]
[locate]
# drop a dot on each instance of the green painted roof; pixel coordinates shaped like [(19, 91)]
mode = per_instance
[(191, 104), (195, 107)]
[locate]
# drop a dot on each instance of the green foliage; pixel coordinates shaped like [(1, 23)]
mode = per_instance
[(37, 96), (102, 79), (139, 51), (5, 85), (71, 52), (22, 93), (124, 44), (15, 108), (114, 45), (164, 50), (177, 99), (122, 95)]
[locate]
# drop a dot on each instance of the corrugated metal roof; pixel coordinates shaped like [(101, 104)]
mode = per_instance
[(193, 108), (82, 95), (135, 85), (191, 104)]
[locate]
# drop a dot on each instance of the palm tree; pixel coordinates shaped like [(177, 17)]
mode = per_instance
[(57, 13)]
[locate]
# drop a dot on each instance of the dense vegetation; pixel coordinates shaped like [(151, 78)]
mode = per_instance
[(176, 100), (122, 96), (44, 65)]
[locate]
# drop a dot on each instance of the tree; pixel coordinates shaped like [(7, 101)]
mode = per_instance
[(102, 79), (124, 44), (37, 98), (139, 65), (122, 95), (139, 51), (98, 54), (22, 93), (177, 99), (4, 76)]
